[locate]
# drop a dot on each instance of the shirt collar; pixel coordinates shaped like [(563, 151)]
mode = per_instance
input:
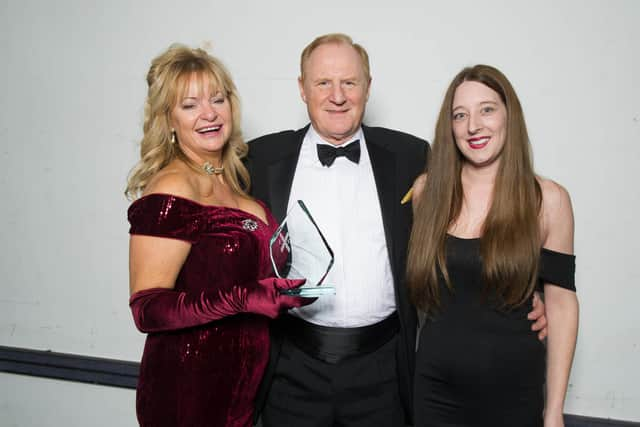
[(315, 138)]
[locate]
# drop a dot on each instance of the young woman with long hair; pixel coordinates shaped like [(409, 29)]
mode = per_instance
[(487, 233)]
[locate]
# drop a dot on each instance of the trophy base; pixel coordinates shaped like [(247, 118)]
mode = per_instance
[(310, 291)]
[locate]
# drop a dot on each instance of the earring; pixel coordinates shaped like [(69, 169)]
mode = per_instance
[(173, 136)]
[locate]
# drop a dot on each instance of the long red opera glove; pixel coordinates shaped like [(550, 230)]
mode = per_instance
[(161, 309)]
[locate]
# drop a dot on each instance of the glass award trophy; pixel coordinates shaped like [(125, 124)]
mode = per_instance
[(298, 250)]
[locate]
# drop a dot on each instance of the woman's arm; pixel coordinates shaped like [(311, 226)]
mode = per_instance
[(154, 262), (561, 304)]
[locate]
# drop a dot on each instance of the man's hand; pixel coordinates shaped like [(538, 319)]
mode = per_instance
[(537, 314)]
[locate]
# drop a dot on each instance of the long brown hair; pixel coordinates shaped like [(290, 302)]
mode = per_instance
[(510, 241), (168, 79)]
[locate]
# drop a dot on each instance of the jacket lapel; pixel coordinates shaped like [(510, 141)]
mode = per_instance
[(280, 175), (383, 163)]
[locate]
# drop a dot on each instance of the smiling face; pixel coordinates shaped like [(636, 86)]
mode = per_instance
[(335, 88), (479, 121), (202, 120)]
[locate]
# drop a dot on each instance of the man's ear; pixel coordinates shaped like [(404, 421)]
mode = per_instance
[(301, 88)]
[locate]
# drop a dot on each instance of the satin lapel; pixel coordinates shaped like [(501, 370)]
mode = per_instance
[(383, 163), (281, 175)]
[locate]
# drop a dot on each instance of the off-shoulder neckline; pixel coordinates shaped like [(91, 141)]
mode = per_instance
[(462, 238), (472, 239), (201, 205)]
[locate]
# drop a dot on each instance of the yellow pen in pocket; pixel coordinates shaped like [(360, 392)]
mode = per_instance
[(407, 197)]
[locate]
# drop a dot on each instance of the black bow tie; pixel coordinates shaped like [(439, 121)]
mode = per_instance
[(327, 153)]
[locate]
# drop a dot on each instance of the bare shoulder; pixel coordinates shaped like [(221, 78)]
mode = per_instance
[(418, 186), (417, 190), (557, 216), (555, 198), (175, 180)]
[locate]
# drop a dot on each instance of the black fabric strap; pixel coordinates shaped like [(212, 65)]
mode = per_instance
[(557, 268)]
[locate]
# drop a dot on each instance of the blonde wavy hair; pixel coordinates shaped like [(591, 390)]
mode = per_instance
[(168, 80)]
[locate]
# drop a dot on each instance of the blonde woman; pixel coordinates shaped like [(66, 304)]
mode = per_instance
[(199, 266), (487, 233)]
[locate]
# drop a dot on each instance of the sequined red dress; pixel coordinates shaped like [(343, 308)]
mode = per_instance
[(205, 375)]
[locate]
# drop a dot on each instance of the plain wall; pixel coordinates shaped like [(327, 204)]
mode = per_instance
[(40, 402), (71, 118)]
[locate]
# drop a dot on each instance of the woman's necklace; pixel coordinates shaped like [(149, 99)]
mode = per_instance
[(209, 169)]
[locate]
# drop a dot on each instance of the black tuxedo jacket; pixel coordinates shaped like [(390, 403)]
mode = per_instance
[(396, 159)]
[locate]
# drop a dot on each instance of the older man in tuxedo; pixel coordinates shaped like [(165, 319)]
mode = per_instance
[(348, 358)]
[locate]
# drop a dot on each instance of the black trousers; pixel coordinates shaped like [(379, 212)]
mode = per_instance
[(359, 391)]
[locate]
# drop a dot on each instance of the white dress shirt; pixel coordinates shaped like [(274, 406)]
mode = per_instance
[(343, 200)]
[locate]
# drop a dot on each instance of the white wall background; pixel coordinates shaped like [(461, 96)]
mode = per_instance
[(71, 115)]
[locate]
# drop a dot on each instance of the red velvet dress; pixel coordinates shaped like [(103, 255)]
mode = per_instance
[(205, 375)]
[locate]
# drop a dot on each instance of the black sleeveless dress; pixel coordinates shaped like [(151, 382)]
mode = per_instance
[(477, 365)]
